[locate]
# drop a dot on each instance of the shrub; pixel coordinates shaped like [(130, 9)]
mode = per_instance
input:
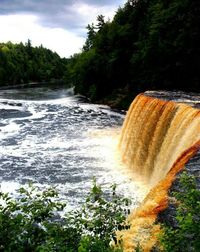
[(31, 222), (186, 236)]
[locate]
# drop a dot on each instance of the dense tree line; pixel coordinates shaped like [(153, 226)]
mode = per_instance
[(21, 63), (150, 44)]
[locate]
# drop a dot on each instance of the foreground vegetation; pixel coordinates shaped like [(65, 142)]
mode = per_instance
[(185, 236), (31, 222)]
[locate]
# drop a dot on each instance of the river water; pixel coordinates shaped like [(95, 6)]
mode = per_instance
[(51, 137)]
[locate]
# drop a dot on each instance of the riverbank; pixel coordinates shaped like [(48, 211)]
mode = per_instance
[(119, 99)]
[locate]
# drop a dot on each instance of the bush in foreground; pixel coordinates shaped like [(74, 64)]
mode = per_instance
[(186, 236), (31, 222)]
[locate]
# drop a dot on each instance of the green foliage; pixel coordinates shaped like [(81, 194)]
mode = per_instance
[(31, 222), (26, 222), (186, 237), (150, 44), (21, 63)]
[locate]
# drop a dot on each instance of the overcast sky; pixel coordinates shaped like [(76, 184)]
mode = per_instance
[(56, 24)]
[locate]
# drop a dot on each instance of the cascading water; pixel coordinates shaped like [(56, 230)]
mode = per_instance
[(154, 135), (157, 139), (51, 137)]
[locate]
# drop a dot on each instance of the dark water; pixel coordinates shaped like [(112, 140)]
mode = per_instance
[(192, 99), (51, 137)]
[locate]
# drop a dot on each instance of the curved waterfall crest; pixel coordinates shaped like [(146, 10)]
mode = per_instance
[(158, 138), (155, 133)]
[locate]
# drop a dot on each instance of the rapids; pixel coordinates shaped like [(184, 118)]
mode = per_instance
[(51, 137)]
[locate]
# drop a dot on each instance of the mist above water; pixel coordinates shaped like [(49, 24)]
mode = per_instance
[(51, 137)]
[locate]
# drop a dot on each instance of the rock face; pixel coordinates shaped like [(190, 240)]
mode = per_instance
[(168, 215), (193, 168)]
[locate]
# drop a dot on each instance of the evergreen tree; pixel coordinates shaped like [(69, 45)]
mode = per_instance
[(21, 63), (150, 44)]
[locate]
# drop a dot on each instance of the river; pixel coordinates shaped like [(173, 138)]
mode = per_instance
[(51, 137)]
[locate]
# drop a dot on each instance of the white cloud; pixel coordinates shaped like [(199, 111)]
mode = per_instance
[(89, 12), (60, 27), (19, 28)]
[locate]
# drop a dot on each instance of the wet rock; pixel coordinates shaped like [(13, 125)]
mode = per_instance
[(168, 215), (82, 98), (18, 104)]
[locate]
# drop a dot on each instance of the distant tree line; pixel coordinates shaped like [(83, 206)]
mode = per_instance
[(21, 63), (150, 44)]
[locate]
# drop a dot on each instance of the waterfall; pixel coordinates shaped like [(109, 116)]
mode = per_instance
[(158, 137), (155, 133)]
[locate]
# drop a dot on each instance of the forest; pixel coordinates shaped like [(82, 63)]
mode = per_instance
[(21, 64), (149, 44)]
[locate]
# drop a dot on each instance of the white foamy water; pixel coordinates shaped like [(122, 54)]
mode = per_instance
[(51, 138)]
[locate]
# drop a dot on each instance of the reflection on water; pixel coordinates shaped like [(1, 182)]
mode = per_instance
[(51, 137)]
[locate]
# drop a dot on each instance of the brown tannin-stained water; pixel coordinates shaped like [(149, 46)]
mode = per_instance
[(158, 138)]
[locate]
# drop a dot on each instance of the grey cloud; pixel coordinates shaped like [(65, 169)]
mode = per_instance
[(54, 13)]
